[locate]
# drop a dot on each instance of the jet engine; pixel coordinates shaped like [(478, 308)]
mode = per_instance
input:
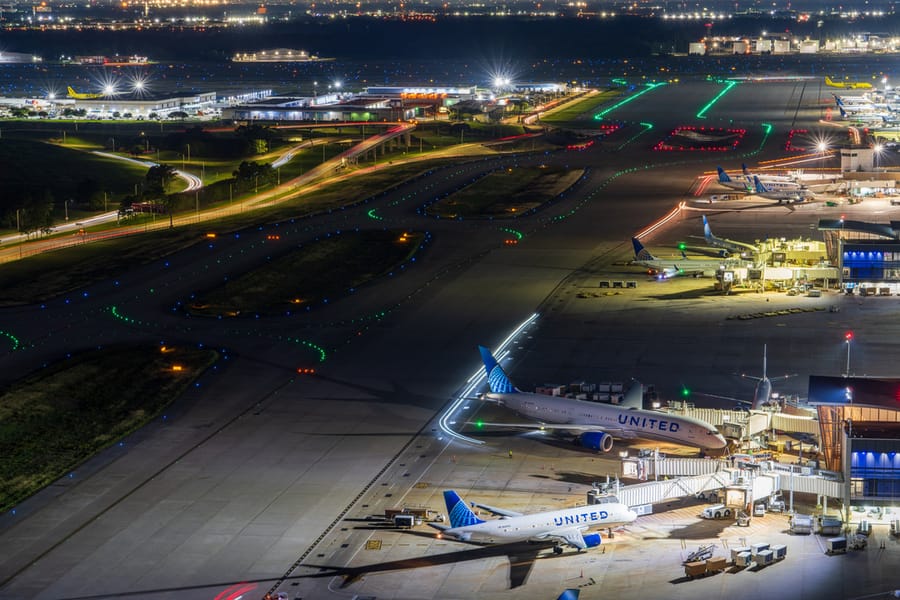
[(592, 540), (597, 440)]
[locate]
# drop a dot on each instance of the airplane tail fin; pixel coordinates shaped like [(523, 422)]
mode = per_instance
[(71, 91), (723, 176), (497, 379), (707, 232), (843, 112), (634, 397), (459, 514), (641, 253), (744, 169), (758, 185)]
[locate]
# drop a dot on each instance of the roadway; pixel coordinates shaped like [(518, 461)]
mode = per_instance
[(258, 469)]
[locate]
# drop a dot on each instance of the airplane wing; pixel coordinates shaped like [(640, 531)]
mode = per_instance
[(614, 431), (571, 536), (498, 511)]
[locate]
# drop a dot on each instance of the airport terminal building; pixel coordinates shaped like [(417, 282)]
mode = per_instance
[(859, 422)]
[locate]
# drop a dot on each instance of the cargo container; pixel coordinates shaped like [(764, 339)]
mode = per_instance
[(836, 545), (695, 569), (743, 559), (716, 564), (895, 527), (779, 551), (801, 524), (830, 526), (757, 548), (736, 551), (864, 528)]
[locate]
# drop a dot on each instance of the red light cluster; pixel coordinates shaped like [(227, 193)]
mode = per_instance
[(608, 128), (583, 146), (789, 145), (273, 236), (306, 371), (702, 145), (510, 242)]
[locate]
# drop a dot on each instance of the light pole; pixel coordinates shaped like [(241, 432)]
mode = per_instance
[(847, 337)]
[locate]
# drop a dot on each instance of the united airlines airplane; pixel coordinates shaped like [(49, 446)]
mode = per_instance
[(679, 267), (736, 184), (741, 248), (596, 423), (566, 526)]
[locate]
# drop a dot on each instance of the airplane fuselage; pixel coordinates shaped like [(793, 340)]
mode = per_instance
[(541, 525), (626, 423)]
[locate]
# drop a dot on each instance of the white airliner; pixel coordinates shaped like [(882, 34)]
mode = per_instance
[(566, 526), (765, 178), (735, 184), (730, 245), (665, 269), (781, 191), (596, 423)]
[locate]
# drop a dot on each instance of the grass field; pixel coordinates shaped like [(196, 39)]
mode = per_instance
[(580, 113), (43, 276), (28, 166), (58, 417), (318, 272), (506, 193)]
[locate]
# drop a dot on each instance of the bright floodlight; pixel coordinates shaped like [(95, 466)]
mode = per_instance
[(822, 147), (51, 96), (878, 148), (337, 85), (109, 89)]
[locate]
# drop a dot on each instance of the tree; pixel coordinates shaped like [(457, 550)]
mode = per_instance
[(158, 178)]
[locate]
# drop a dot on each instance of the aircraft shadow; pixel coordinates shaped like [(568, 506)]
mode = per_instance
[(701, 530), (521, 556)]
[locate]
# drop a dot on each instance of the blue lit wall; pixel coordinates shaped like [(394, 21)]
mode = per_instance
[(871, 262), (878, 466)]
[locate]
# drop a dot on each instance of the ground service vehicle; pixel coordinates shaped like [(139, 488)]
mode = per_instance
[(716, 511)]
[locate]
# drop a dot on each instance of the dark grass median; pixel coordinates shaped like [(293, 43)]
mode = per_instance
[(310, 275), (58, 417)]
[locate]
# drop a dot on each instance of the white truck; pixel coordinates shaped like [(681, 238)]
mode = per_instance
[(716, 511)]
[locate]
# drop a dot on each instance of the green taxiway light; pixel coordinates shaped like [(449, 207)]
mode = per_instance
[(728, 86), (685, 392), (650, 86), (11, 338)]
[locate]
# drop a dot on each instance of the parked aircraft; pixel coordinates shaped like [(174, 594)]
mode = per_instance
[(848, 85), (735, 184), (766, 178), (81, 95), (566, 526), (763, 392), (664, 269), (730, 245), (596, 423), (781, 191)]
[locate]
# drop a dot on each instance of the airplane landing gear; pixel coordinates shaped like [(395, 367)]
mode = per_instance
[(557, 550)]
